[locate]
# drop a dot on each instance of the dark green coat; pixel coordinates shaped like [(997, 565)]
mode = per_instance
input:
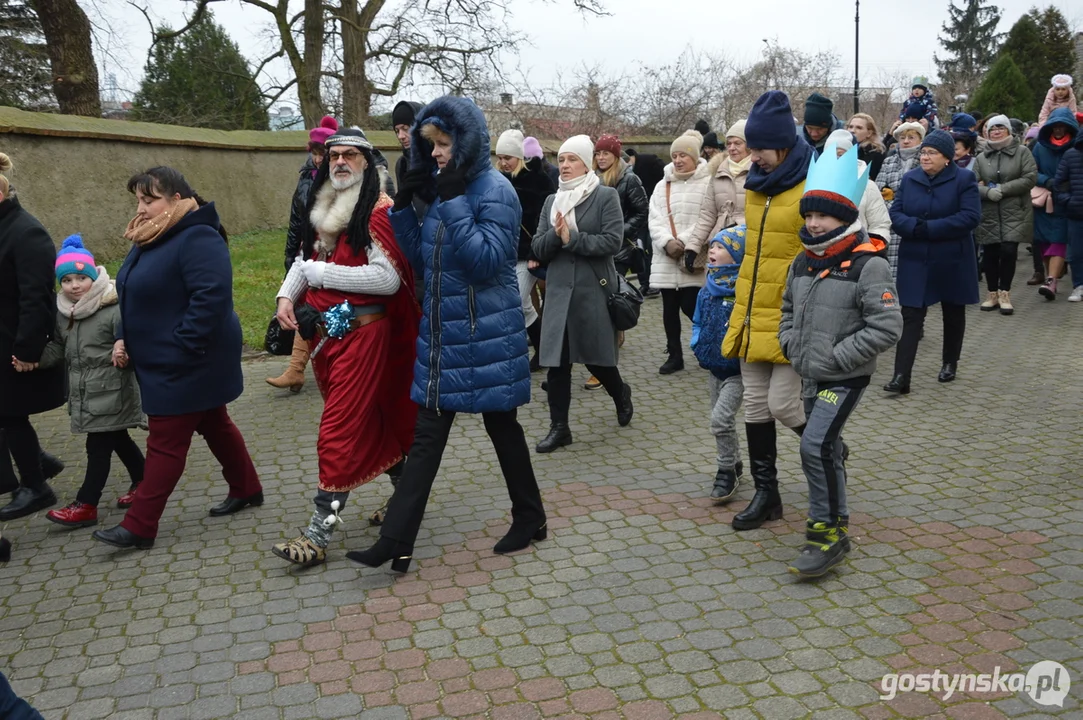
[(101, 397), (1014, 172)]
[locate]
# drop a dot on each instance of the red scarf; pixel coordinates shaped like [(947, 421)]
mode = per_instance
[(1062, 142)]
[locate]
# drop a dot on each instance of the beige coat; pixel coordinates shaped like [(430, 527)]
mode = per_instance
[(686, 199), (724, 204)]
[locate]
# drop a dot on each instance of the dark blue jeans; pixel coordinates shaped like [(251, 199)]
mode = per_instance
[(1075, 251), (12, 707)]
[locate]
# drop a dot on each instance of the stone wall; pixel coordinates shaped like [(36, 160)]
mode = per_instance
[(72, 172)]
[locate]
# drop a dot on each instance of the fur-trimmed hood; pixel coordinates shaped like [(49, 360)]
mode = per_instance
[(464, 122)]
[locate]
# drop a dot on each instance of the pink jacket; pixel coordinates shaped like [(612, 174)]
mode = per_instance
[(1050, 105)]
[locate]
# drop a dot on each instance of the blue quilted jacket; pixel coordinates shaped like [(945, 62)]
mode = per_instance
[(472, 346)]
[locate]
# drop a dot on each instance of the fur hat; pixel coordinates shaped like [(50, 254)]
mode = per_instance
[(770, 123), (690, 143), (940, 141), (1061, 81), (74, 259), (510, 143), (581, 146), (532, 148), (818, 110), (737, 129), (609, 143), (907, 126), (319, 134)]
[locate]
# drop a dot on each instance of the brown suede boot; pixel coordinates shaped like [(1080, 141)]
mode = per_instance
[(293, 378)]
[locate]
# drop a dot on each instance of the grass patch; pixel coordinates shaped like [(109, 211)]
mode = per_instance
[(257, 274)]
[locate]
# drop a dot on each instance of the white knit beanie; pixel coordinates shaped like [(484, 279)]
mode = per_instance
[(691, 144), (580, 145), (1061, 81), (510, 143), (737, 129), (1001, 120), (915, 126), (841, 139)]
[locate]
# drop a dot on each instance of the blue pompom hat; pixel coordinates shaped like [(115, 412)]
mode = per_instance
[(721, 279), (73, 258)]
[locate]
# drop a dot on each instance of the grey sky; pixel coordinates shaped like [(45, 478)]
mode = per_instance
[(896, 36)]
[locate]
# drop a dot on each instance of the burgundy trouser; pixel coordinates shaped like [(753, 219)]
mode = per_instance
[(167, 451)]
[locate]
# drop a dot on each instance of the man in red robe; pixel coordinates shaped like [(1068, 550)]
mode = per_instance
[(364, 375)]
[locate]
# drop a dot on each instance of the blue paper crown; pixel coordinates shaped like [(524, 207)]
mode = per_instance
[(830, 173)]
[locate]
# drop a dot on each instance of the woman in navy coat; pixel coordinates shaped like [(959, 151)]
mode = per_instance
[(180, 333), (936, 209), (472, 344)]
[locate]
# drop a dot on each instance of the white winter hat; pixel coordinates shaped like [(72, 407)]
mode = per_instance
[(510, 143), (737, 129), (581, 146), (905, 127), (1061, 81), (841, 139), (998, 120)]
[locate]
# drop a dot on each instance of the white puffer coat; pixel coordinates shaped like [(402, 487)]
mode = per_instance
[(686, 197), (873, 210)]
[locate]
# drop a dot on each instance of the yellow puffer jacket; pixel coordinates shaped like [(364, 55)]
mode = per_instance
[(773, 243)]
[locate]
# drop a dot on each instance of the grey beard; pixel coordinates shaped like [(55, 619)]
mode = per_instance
[(340, 184)]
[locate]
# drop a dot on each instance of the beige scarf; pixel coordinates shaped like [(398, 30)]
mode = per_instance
[(102, 292), (144, 232), (737, 168), (570, 194)]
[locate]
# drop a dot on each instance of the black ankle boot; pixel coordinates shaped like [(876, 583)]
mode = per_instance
[(520, 536), (559, 436), (533, 332), (624, 406), (5, 549), (675, 363), (899, 384), (947, 373), (385, 549), (766, 503), (51, 466), (725, 485)]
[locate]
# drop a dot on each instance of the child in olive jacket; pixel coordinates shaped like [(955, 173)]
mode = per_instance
[(839, 311), (103, 397)]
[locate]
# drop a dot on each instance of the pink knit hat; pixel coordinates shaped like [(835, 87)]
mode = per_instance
[(532, 148), (327, 127)]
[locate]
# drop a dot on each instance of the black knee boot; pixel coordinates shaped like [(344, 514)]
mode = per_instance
[(533, 332), (766, 503)]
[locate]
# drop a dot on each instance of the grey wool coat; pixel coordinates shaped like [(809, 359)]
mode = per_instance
[(575, 300), (1014, 172)]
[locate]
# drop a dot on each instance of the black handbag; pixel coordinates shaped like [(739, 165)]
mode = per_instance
[(629, 256), (623, 301), (278, 341)]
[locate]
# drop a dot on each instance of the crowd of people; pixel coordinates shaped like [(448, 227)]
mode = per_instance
[(799, 250)]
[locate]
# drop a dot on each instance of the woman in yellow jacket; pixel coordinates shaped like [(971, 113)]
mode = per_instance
[(776, 180)]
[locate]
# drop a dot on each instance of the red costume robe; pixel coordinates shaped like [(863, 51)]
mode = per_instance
[(368, 418)]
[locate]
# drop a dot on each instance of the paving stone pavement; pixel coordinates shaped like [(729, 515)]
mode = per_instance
[(643, 603)]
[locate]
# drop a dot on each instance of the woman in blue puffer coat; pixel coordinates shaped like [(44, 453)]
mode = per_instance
[(472, 345)]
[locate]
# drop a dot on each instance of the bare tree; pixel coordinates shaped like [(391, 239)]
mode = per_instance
[(75, 73)]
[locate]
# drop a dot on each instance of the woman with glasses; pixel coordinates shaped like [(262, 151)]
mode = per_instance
[(936, 209)]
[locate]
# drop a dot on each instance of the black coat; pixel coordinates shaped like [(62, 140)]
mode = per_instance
[(634, 203), (552, 171), (27, 313), (873, 158), (297, 211), (1068, 183), (533, 186)]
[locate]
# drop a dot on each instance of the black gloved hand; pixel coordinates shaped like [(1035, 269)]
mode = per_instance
[(690, 260), (412, 181), (451, 181), (921, 230)]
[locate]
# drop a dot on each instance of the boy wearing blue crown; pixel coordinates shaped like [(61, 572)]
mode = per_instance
[(840, 310)]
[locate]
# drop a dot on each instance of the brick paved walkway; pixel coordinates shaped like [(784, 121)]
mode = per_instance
[(968, 529)]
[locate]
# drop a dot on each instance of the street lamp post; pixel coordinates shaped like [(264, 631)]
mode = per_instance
[(857, 48)]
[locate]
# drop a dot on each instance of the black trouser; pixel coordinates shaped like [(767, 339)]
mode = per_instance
[(914, 321), (674, 302), (648, 252), (999, 265), (1036, 249), (100, 447), (560, 386), (22, 443), (407, 506)]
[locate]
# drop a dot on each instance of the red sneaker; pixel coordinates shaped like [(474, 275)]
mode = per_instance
[(126, 500), (75, 515)]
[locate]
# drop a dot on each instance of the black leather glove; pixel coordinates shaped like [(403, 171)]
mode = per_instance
[(451, 182), (921, 230), (412, 180), (690, 260), (307, 319)]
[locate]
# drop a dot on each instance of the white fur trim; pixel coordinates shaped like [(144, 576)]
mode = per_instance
[(331, 215)]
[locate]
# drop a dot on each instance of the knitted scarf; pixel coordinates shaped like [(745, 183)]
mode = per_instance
[(737, 168), (102, 292), (571, 194), (828, 249), (143, 232)]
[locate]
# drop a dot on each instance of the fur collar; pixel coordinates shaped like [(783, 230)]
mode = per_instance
[(331, 215)]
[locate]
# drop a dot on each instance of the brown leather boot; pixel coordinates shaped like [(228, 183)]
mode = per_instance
[(293, 378)]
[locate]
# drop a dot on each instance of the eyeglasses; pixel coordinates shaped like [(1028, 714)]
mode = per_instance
[(348, 156)]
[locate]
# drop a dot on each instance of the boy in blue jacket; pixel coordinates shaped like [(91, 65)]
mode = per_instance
[(709, 324)]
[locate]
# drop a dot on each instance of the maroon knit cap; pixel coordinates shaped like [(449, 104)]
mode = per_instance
[(609, 143)]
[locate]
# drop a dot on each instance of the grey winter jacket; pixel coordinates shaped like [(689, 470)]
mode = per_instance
[(833, 327), (101, 397), (1009, 217)]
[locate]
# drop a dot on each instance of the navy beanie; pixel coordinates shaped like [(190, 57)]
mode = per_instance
[(770, 123), (942, 142), (915, 111), (818, 111)]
